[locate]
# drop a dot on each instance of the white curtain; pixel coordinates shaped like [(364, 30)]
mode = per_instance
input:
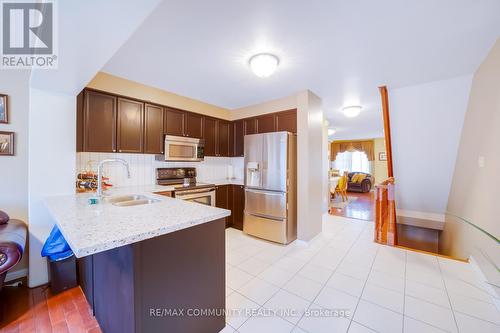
[(353, 161)]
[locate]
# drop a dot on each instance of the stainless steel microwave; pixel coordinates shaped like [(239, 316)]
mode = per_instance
[(180, 148)]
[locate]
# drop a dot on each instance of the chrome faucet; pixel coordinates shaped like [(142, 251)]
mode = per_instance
[(99, 172)]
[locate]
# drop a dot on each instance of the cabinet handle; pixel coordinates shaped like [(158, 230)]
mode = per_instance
[(114, 150), (120, 151)]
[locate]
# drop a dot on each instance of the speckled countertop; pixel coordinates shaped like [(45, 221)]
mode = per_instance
[(90, 229)]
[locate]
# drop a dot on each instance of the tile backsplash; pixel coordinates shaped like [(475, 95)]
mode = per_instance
[(143, 167)]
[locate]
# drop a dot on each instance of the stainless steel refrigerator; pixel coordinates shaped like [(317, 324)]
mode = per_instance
[(270, 186)]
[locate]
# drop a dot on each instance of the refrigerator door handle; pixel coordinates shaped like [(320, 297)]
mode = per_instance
[(280, 194), (273, 218)]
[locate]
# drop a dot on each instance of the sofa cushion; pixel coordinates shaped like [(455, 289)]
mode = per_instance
[(4, 218)]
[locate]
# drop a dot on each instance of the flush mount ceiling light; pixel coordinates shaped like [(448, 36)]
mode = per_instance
[(264, 64), (331, 131), (352, 111)]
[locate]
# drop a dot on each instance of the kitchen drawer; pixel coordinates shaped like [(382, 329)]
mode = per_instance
[(265, 203)]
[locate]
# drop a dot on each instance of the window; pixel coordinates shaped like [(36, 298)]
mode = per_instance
[(353, 161)]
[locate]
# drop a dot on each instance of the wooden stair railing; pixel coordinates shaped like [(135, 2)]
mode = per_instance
[(385, 213)]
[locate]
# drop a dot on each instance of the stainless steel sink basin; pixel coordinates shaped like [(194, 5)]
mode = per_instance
[(130, 200)]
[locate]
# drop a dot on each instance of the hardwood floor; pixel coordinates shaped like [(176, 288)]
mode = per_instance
[(362, 209), (37, 310)]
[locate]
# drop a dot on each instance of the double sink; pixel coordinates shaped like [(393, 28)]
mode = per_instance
[(130, 200)]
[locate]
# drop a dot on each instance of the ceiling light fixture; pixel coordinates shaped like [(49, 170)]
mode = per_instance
[(331, 131), (264, 64), (352, 111)]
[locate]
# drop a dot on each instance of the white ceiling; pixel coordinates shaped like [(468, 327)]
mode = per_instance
[(341, 50)]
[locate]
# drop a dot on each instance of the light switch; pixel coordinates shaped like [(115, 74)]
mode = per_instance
[(481, 161)]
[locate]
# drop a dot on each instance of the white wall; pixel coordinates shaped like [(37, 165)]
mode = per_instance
[(426, 121), (14, 169), (52, 155), (475, 185)]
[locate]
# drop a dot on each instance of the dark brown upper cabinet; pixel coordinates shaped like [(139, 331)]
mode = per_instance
[(174, 122), (286, 121), (250, 126), (223, 138), (99, 122), (239, 133), (193, 125), (153, 129), (130, 126), (79, 121), (210, 136), (266, 123)]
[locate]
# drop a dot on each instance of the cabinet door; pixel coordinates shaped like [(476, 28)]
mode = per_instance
[(266, 123), (238, 137), (223, 138), (153, 129), (193, 125), (221, 196), (130, 126), (174, 122), (287, 121), (79, 121), (99, 131), (238, 206), (249, 126), (210, 136)]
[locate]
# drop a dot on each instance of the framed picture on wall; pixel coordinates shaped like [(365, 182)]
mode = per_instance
[(382, 156), (4, 110), (6, 143)]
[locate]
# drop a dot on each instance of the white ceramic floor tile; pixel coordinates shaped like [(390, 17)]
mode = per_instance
[(358, 328), (414, 326), (427, 293), (239, 309), (353, 270), (334, 299), (429, 313), (475, 308), (346, 284), (324, 324), (266, 324), (303, 287), (388, 281), (316, 273), (467, 289), (258, 290), (253, 266), (276, 275), (378, 318), (468, 324), (287, 306), (234, 257), (237, 278), (290, 264), (384, 297), (431, 279), (297, 329)]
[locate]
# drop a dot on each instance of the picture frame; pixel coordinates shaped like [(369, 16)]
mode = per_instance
[(6, 143), (4, 109), (382, 156)]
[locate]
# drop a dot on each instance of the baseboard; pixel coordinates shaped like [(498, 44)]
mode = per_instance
[(16, 274)]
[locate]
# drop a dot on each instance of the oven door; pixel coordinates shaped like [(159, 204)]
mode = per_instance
[(178, 148), (203, 196)]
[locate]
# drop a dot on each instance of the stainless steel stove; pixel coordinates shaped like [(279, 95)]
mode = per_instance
[(185, 185)]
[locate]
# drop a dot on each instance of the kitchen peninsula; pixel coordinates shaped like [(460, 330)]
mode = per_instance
[(144, 266)]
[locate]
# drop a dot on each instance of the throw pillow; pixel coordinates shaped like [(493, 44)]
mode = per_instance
[(361, 177), (4, 218)]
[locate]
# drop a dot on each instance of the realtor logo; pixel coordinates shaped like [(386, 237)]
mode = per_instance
[(28, 35)]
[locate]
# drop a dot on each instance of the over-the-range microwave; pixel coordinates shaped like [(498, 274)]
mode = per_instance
[(182, 149)]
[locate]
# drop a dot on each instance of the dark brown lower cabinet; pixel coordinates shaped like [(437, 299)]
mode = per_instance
[(222, 199), (238, 206), (131, 288)]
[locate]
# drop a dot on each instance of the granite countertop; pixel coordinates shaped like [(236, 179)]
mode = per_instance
[(91, 229), (224, 181)]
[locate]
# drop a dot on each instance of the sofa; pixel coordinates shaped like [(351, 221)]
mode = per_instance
[(12, 244), (364, 186)]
